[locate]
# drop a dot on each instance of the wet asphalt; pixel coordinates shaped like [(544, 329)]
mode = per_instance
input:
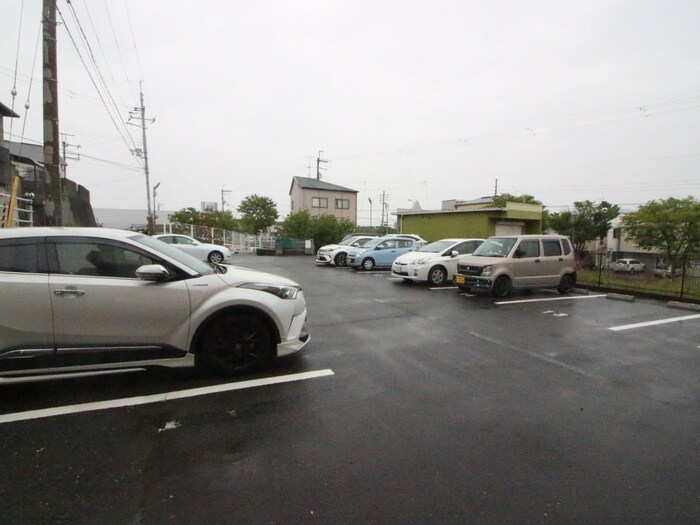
[(441, 408)]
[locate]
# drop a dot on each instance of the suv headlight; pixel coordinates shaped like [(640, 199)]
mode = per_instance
[(486, 271), (282, 291)]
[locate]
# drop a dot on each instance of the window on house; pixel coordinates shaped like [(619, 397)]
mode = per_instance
[(342, 204), (319, 202)]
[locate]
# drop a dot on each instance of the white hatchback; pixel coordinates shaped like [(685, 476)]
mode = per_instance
[(84, 299), (435, 262)]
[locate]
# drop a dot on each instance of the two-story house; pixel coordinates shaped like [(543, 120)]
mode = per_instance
[(320, 197)]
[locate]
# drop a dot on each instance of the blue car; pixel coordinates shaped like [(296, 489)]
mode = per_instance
[(381, 252)]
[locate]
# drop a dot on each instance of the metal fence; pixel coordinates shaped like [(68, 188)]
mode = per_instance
[(681, 283), (237, 242), (23, 213)]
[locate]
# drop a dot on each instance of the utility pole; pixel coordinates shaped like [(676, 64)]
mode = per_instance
[(319, 160), (52, 159), (140, 114), (370, 211), (68, 155), (385, 216), (224, 192)]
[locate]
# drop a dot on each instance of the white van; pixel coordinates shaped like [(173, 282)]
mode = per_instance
[(502, 263)]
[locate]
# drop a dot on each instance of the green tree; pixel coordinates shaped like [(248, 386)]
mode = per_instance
[(257, 213), (671, 226), (213, 219), (587, 222), (499, 201), (323, 229)]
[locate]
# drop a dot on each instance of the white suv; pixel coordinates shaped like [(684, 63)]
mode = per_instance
[(520, 261), (83, 299)]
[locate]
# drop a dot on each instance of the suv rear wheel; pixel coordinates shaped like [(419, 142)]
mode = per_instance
[(566, 284)]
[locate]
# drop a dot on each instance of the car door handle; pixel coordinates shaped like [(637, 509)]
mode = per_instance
[(537, 260), (64, 291)]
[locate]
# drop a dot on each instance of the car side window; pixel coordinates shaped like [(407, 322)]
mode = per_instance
[(22, 256), (405, 243), (98, 259), (529, 248), (552, 248), (183, 240), (168, 239), (465, 247), (387, 245)]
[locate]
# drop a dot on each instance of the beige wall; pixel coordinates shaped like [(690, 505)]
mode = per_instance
[(302, 199)]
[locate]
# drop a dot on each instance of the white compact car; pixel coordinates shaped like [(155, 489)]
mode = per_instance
[(435, 262), (336, 254), (628, 265), (78, 300), (203, 251)]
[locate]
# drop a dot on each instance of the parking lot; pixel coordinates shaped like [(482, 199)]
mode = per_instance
[(409, 405)]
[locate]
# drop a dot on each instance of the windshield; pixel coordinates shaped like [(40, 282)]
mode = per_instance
[(495, 247), (437, 246), (180, 256), (347, 241)]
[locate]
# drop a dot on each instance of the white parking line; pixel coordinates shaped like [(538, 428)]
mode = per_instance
[(568, 298), (159, 398), (653, 323), (444, 288)]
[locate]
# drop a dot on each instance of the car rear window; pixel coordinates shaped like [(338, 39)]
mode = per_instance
[(567, 246)]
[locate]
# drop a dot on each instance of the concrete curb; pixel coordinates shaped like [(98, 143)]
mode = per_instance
[(684, 306), (621, 297)]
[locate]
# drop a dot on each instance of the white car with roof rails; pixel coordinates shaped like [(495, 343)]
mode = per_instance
[(435, 262), (80, 300), (335, 254)]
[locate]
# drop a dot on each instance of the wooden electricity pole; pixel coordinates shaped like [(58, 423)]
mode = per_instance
[(52, 158)]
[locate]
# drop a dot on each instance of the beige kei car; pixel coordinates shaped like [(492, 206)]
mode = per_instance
[(502, 263)]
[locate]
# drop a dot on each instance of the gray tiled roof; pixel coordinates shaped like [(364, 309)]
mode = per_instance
[(313, 184)]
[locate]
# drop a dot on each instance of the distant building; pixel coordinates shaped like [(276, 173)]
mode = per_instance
[(28, 161), (128, 219), (477, 218), (320, 198)]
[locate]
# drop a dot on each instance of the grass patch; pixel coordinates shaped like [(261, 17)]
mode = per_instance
[(642, 283)]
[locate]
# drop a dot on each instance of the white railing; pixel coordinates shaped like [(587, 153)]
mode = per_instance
[(23, 214)]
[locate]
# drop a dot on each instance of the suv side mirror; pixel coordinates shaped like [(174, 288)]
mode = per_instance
[(454, 253), (152, 272), (519, 253)]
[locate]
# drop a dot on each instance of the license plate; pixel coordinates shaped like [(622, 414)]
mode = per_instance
[(459, 279)]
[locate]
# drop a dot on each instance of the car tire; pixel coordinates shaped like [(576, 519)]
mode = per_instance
[(566, 284), (341, 259), (215, 257), (502, 287), (368, 264), (631, 271), (437, 276), (235, 344)]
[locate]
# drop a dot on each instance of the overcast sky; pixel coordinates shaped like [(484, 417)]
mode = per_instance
[(425, 101)]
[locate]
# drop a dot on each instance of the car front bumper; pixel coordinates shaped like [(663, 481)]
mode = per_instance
[(472, 281)]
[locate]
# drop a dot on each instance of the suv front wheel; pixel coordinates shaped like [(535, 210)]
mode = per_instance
[(236, 343), (503, 286)]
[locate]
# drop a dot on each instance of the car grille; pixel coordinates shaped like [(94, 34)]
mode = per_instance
[(466, 269)]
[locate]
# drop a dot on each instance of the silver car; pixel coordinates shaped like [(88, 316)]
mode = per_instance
[(85, 299), (203, 251)]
